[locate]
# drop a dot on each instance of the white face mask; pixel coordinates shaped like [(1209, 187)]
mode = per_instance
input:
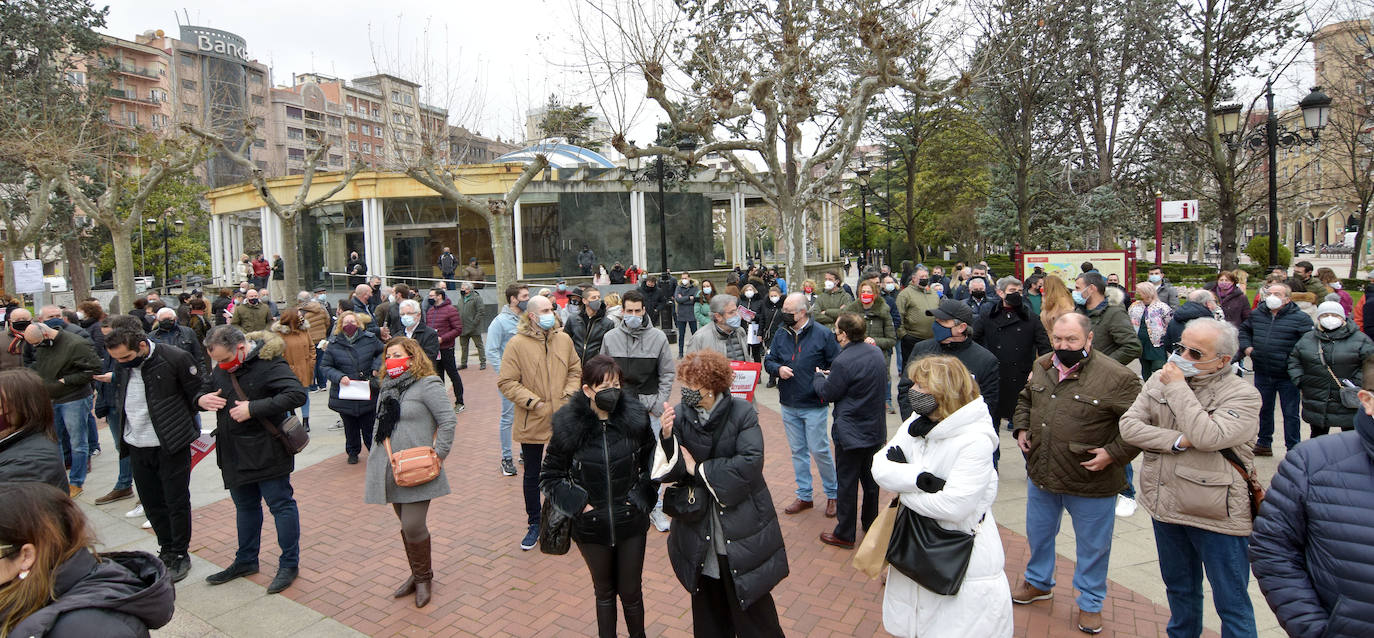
[(1331, 322), (749, 294), (889, 287), (1273, 302), (773, 298), (706, 289), (829, 284)]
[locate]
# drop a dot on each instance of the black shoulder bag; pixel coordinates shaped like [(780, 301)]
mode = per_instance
[(682, 501), (292, 433), (935, 557)]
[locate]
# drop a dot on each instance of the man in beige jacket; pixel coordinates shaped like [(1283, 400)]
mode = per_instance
[(1189, 419), (539, 371)]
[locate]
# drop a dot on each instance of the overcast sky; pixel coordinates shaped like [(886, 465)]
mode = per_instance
[(507, 52)]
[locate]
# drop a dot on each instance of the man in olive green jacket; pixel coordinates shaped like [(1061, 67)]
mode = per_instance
[(830, 302), (1112, 331), (912, 304), (251, 315)]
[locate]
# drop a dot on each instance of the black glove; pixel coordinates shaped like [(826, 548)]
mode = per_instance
[(929, 482), (896, 455)]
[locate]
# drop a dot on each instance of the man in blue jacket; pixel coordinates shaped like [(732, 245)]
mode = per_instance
[(798, 350), (499, 332), (855, 383), (1310, 546), (1267, 337)]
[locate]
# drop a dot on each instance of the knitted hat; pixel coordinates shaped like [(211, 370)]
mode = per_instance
[(1330, 308)]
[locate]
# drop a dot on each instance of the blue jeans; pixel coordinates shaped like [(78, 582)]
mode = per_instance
[(248, 500), (1289, 400), (684, 330), (319, 372), (809, 439), (1184, 553), (126, 472), (92, 432), (1093, 520), (69, 419), (507, 419), (1129, 492)]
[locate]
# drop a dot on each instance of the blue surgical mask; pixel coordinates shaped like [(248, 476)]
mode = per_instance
[(562, 287), (1184, 365), (733, 322), (941, 332), (408, 321), (547, 321), (633, 322), (1078, 298), (1154, 279), (320, 299)]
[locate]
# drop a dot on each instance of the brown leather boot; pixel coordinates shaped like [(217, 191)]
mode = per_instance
[(420, 569), (408, 587)]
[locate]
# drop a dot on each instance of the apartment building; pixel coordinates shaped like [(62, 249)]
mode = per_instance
[(139, 84), (300, 119), (468, 147)]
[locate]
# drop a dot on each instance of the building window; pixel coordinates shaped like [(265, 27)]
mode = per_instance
[(294, 113), (349, 106), (335, 122), (76, 77), (255, 78), (189, 85), (377, 149), (395, 96), (379, 131), (406, 99), (295, 154), (352, 127), (257, 99), (260, 143), (295, 134), (131, 118), (376, 112), (367, 148), (295, 171), (353, 145), (262, 165), (188, 108), (188, 59), (336, 159), (335, 139), (157, 95)]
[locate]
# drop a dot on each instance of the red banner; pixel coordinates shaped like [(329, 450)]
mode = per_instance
[(202, 447), (746, 379)]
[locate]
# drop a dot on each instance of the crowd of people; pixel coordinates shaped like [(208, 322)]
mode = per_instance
[(585, 379)]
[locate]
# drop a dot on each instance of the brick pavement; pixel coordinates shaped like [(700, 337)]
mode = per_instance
[(485, 585)]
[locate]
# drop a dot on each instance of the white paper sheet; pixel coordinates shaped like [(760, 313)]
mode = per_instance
[(356, 391)]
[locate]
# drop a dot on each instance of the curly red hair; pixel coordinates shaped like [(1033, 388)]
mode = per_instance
[(707, 370)]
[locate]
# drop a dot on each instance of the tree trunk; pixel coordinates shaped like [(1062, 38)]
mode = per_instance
[(290, 255), (1023, 205), (12, 253), (76, 263), (121, 239), (502, 245), (1357, 254)]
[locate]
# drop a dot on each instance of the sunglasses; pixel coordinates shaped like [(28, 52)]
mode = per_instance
[(1191, 353)]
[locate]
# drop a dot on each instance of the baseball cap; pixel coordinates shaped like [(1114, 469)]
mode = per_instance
[(951, 309)]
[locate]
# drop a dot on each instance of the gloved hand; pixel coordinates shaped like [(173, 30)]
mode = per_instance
[(929, 482), (896, 455)]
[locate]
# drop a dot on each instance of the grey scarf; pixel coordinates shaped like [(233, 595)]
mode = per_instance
[(389, 404)]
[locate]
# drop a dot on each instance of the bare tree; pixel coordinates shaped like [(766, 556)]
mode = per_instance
[(27, 206), (766, 79), (289, 212)]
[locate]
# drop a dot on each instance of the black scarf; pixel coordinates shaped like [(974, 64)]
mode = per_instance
[(389, 404)]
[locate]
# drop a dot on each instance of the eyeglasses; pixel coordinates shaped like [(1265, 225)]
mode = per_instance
[(8, 550), (1191, 353)]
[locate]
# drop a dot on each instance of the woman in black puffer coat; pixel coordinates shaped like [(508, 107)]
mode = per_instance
[(1336, 349), (731, 556), (596, 470)]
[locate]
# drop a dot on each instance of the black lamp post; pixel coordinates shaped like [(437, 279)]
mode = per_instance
[(1316, 110), (862, 173), (661, 173), (166, 254)]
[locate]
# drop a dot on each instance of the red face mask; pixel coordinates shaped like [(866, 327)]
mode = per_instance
[(232, 364), (866, 297), (397, 367), (807, 290)]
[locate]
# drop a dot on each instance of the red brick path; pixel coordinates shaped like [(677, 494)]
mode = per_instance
[(351, 558)]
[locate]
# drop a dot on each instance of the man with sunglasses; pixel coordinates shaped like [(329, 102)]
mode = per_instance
[(1267, 337), (1190, 419)]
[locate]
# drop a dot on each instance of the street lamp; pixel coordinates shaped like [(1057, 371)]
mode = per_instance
[(1316, 111), (661, 173), (166, 254), (861, 174)]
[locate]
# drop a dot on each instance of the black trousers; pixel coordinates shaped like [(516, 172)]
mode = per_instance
[(908, 345), (854, 468), (716, 612), (446, 364), (358, 431), (617, 571), (163, 480), (533, 453)]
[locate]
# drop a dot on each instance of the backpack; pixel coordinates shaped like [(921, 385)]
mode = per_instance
[(447, 263)]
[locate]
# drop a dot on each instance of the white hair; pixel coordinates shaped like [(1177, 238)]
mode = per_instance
[(166, 313), (409, 303), (1227, 341)]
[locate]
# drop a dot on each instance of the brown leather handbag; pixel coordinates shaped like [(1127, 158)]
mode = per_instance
[(414, 466)]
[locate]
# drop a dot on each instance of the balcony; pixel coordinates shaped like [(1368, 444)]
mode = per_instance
[(138, 71), (130, 96)]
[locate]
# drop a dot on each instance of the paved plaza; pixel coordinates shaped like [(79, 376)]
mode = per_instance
[(351, 555)]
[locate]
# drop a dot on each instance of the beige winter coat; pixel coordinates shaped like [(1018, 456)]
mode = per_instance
[(538, 366), (1195, 487)]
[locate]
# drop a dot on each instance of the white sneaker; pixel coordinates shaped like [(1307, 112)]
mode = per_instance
[(660, 520), (1124, 506), (147, 525), (136, 512)]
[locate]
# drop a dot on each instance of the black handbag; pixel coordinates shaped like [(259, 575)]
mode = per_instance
[(683, 500), (292, 433), (1349, 392), (935, 557), (555, 531)]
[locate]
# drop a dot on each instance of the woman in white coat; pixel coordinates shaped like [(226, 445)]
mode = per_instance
[(940, 464)]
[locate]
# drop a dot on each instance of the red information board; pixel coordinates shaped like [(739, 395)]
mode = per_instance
[(746, 379)]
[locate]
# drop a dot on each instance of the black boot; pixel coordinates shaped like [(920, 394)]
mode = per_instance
[(605, 618), (634, 618)]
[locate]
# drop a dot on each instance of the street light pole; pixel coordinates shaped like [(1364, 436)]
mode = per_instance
[(862, 173), (1271, 138)]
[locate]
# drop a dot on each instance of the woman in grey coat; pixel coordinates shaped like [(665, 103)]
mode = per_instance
[(413, 410)]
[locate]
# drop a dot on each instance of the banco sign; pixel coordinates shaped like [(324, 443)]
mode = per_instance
[(215, 42)]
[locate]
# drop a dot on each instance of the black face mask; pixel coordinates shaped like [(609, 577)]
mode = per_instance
[(607, 399), (167, 324), (1070, 358), (789, 319), (252, 302), (20, 326), (1013, 300), (977, 294), (133, 363), (923, 282)]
